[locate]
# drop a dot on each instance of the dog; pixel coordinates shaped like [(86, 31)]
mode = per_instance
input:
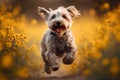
[(58, 42)]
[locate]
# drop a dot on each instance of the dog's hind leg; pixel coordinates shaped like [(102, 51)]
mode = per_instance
[(47, 68)]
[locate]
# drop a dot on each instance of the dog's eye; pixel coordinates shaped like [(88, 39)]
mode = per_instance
[(53, 16), (64, 16)]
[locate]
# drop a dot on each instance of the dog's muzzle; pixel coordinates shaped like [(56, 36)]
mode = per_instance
[(58, 27)]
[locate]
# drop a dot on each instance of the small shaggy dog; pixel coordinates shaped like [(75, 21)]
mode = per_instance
[(58, 41)]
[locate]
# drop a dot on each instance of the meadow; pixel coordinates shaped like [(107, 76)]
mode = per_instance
[(97, 39)]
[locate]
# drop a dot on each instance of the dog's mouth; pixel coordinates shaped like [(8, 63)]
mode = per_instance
[(59, 29)]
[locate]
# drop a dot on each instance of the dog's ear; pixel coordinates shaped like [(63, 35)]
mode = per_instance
[(73, 11), (44, 13)]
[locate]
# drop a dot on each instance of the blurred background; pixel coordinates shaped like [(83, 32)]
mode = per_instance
[(96, 31), (29, 7)]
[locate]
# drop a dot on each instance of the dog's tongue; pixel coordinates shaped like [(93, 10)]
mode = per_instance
[(58, 30)]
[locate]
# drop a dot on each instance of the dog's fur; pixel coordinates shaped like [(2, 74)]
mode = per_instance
[(58, 41)]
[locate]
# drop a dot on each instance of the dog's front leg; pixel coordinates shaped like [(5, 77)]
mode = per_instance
[(70, 53), (52, 60)]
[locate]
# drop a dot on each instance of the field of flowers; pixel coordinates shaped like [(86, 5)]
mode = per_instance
[(97, 40)]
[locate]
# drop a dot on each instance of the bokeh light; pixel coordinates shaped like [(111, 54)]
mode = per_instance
[(96, 31)]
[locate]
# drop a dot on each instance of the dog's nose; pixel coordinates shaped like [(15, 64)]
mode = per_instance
[(58, 23)]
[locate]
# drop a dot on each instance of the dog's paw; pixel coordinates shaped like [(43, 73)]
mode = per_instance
[(55, 67), (68, 59)]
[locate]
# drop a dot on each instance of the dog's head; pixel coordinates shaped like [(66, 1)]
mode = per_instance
[(59, 20)]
